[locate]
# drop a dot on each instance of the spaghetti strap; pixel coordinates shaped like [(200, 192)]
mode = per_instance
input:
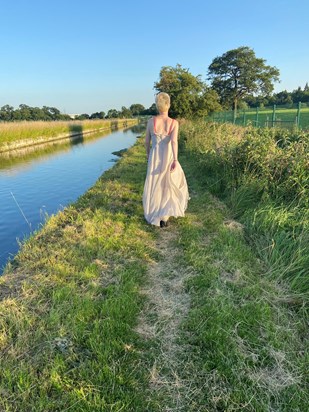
[(154, 126), (169, 132)]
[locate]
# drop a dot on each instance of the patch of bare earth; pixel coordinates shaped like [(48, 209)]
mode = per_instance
[(167, 307)]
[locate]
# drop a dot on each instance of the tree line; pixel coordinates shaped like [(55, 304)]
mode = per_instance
[(25, 112), (236, 79)]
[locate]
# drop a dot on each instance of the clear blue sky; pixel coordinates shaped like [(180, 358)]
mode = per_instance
[(83, 57)]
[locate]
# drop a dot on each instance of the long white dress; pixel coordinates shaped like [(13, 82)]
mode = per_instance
[(165, 192)]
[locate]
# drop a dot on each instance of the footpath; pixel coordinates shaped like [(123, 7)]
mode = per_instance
[(101, 312)]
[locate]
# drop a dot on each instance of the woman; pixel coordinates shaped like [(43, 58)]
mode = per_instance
[(165, 190)]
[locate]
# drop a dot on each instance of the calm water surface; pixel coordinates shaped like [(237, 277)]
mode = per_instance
[(45, 181)]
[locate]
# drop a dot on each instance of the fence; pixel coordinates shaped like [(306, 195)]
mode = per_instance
[(291, 116)]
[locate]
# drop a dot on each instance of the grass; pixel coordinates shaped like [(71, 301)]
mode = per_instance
[(283, 117), (263, 177), (12, 132), (92, 316), (245, 333), (70, 300)]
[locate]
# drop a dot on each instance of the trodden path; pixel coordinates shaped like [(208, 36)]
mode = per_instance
[(167, 307)]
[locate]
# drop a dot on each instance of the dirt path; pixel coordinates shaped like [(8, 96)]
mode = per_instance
[(168, 305)]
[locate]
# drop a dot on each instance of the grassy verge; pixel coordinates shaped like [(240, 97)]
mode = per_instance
[(244, 338), (70, 301), (263, 176), (34, 132)]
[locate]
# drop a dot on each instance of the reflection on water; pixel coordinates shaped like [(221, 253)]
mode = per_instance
[(41, 182), (26, 155)]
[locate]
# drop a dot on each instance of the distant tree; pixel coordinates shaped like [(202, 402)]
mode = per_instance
[(7, 113), (83, 116), (112, 114), (37, 114), (190, 96), (151, 111), (98, 115), (125, 113), (136, 109), (239, 73), (283, 97)]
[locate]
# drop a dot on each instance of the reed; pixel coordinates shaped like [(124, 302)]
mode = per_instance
[(263, 175)]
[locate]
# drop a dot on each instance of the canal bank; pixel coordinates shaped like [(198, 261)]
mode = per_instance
[(38, 184), (15, 136)]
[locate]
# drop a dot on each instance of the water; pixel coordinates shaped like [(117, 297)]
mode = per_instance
[(47, 180)]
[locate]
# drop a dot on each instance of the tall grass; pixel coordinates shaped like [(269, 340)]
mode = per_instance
[(263, 174), (15, 131)]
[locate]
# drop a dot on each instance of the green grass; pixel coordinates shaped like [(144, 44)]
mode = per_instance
[(283, 117), (263, 177), (71, 300), (244, 334)]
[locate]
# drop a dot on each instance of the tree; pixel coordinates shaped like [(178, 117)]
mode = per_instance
[(83, 116), (239, 73), (136, 109), (112, 114), (125, 113), (98, 115), (190, 96), (151, 111)]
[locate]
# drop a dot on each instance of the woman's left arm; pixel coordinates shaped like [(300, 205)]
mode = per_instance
[(147, 139)]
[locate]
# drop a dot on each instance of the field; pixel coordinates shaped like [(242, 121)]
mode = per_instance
[(284, 117)]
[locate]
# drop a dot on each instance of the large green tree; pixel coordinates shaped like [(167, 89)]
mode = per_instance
[(239, 73), (190, 96)]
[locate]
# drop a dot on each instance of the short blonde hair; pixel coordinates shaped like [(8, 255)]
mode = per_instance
[(163, 102)]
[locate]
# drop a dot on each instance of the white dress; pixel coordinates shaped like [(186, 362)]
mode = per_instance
[(165, 192)]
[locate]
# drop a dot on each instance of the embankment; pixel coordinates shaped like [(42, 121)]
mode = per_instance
[(15, 136)]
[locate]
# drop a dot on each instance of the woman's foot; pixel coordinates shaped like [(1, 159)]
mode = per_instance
[(163, 223)]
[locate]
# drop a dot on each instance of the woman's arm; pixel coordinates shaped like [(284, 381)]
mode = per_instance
[(174, 143), (147, 139)]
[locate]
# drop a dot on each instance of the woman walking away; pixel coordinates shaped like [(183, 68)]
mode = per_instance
[(165, 190)]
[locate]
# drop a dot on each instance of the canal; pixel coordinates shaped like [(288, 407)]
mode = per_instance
[(41, 183)]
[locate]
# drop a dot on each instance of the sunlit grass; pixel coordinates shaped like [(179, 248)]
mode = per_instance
[(15, 131), (70, 300), (262, 175)]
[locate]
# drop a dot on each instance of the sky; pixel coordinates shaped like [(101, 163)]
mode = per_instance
[(84, 57)]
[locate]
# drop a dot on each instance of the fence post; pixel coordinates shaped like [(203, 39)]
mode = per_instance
[(244, 118), (257, 117), (298, 115), (274, 116)]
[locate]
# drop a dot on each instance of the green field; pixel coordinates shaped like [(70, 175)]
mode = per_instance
[(284, 117)]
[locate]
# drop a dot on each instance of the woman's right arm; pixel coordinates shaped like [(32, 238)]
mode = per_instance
[(174, 143)]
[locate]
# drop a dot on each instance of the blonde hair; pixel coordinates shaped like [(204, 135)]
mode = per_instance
[(163, 102)]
